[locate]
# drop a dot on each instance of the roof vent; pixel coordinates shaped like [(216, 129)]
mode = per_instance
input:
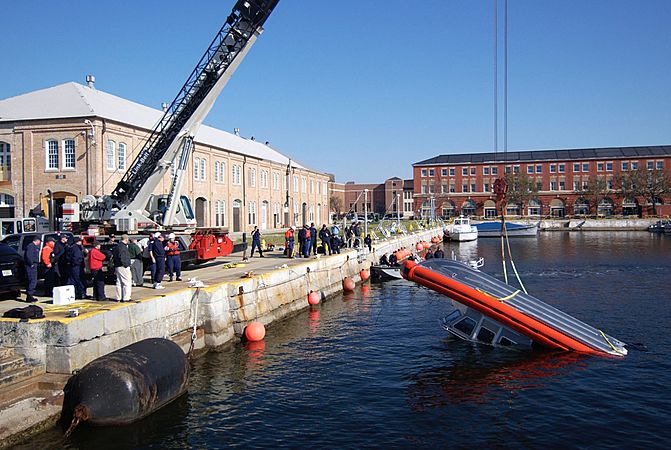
[(164, 106), (90, 81), (236, 131)]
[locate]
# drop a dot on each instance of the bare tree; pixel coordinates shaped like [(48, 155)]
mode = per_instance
[(521, 189), (335, 203), (648, 183), (594, 191)]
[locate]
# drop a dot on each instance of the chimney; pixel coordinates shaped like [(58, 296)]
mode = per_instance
[(164, 106), (90, 81), (236, 131)]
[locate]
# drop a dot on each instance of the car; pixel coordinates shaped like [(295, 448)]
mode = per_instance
[(20, 241), (12, 271)]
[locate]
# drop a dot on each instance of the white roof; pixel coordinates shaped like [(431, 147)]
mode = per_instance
[(75, 100)]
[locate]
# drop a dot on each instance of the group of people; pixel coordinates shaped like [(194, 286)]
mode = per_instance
[(307, 238), (65, 263)]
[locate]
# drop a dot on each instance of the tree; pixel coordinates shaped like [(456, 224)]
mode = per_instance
[(594, 191), (521, 189), (648, 183), (335, 203)]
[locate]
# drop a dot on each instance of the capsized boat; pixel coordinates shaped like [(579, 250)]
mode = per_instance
[(513, 229), (497, 313), (462, 230), (385, 273)]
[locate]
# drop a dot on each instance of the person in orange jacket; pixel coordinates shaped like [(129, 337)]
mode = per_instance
[(174, 260), (289, 242), (96, 258), (50, 273)]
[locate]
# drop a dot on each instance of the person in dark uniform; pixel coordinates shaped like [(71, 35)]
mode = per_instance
[(325, 236), (158, 257), (256, 242), (301, 241), (313, 239), (368, 241), (439, 253), (75, 259), (31, 258), (62, 268)]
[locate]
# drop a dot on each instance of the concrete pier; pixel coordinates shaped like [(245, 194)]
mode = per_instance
[(263, 289)]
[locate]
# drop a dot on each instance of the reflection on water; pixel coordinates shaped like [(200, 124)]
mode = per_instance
[(373, 368)]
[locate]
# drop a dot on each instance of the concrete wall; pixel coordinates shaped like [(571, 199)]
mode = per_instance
[(64, 345), (596, 224)]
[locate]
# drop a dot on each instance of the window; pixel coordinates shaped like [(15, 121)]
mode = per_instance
[(576, 167), (203, 166), (5, 157), (276, 181), (576, 185), (216, 174), (485, 170), (196, 168), (52, 155), (486, 187), (220, 213), (465, 325), (553, 168), (423, 172), (69, 154), (634, 165), (562, 185), (424, 187), (431, 172), (122, 156), (650, 165), (464, 171), (252, 178), (304, 185), (539, 184), (516, 169), (452, 188), (530, 170), (295, 183), (252, 213), (609, 183), (660, 165), (235, 174), (539, 168), (553, 185), (504, 341), (443, 190), (264, 179), (472, 171), (506, 169), (451, 171), (318, 189), (473, 187), (562, 168), (625, 165), (464, 187), (600, 166), (495, 170), (443, 172), (312, 186), (111, 150), (485, 335), (585, 167), (609, 167)]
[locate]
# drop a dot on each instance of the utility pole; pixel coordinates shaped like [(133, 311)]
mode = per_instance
[(398, 212), (365, 213)]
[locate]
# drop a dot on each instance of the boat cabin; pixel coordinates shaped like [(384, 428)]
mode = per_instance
[(471, 325)]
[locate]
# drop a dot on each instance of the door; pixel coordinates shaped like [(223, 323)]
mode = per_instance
[(200, 211), (236, 215), (305, 213)]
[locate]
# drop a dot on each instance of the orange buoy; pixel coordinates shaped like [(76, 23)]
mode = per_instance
[(419, 246), (255, 331), (313, 298), (348, 284), (364, 274), (365, 289), (426, 244)]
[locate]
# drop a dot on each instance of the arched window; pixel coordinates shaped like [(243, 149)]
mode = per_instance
[(468, 208), (5, 156), (52, 154), (534, 207), (252, 213), (581, 207), (6, 205), (216, 172), (69, 154), (111, 150), (196, 168), (220, 213), (605, 207), (122, 156)]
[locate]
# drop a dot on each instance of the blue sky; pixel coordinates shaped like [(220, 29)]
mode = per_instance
[(363, 89)]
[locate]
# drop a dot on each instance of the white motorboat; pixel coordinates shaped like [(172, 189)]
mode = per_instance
[(462, 230)]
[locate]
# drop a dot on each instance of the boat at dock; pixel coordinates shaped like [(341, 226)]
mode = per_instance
[(661, 226), (493, 312), (385, 273), (461, 230), (513, 229)]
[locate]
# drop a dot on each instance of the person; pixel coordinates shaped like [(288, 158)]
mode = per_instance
[(313, 239), (151, 264), (428, 255), (308, 241), (121, 261), (62, 267), (75, 259), (174, 260), (348, 236), (256, 242), (325, 236), (336, 243), (111, 240), (368, 240), (136, 262), (50, 274), (31, 259), (301, 241), (335, 231), (356, 231), (158, 258), (439, 253), (289, 240), (96, 262), (384, 260), (393, 261)]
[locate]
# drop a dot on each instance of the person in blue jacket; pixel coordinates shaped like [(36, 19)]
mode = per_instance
[(313, 239), (256, 242), (75, 258), (31, 259), (158, 258)]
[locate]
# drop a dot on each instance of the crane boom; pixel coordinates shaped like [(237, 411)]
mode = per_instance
[(189, 108)]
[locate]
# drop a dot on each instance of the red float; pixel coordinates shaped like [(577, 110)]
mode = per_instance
[(419, 246), (255, 331), (348, 284), (313, 298), (364, 274)]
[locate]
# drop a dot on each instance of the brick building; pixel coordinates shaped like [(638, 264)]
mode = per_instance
[(381, 196), (462, 184), (74, 140)]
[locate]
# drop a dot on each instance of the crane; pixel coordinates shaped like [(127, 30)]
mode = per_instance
[(133, 204)]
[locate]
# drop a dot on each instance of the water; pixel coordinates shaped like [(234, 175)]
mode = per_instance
[(374, 368)]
